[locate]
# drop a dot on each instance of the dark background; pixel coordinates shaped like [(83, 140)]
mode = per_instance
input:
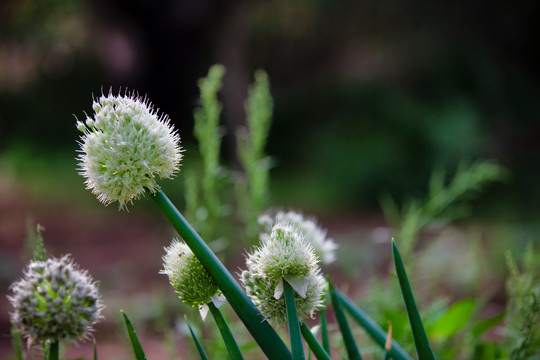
[(369, 96)]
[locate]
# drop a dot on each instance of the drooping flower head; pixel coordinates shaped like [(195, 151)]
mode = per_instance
[(124, 147), (324, 247), (55, 300), (190, 280), (284, 255)]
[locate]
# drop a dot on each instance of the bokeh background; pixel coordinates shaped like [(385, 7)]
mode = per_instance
[(369, 98)]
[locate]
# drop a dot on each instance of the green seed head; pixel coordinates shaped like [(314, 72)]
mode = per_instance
[(55, 300), (124, 147), (192, 283)]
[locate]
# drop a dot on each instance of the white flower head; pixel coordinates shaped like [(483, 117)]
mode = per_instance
[(55, 300), (262, 292), (284, 252), (284, 255), (124, 147), (316, 236), (190, 280)]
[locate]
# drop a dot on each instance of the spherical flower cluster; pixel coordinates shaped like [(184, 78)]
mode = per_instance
[(55, 300), (124, 147), (284, 256), (324, 248), (190, 280)]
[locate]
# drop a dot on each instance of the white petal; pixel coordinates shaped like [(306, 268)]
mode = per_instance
[(203, 310), (315, 330), (279, 289), (299, 284), (218, 300)]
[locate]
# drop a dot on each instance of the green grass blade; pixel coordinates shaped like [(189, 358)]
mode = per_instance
[(53, 350), (197, 343), (423, 348), (268, 340), (324, 331), (350, 345), (294, 326), (16, 340), (95, 350), (316, 348), (137, 348), (372, 329), (226, 334)]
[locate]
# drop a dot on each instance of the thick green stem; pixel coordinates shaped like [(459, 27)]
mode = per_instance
[(53, 350), (294, 326), (316, 348), (423, 347), (268, 340), (324, 331), (346, 333)]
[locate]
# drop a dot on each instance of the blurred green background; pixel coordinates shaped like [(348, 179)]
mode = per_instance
[(369, 98)]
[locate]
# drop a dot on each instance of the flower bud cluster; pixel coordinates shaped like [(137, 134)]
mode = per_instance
[(55, 300), (190, 280), (324, 248), (124, 147), (284, 255)]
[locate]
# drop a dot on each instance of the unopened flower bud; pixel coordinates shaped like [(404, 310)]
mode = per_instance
[(190, 280)]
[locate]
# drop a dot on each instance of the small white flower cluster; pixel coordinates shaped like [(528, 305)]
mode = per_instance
[(284, 255), (124, 147), (324, 248), (55, 300), (190, 280)]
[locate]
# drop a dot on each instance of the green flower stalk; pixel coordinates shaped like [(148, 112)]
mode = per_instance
[(124, 147), (55, 300), (284, 256), (324, 247), (190, 280)]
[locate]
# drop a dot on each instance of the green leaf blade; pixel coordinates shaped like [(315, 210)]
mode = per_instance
[(226, 334), (324, 331), (200, 349), (135, 343), (372, 328), (314, 345), (294, 326), (423, 348), (350, 345)]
